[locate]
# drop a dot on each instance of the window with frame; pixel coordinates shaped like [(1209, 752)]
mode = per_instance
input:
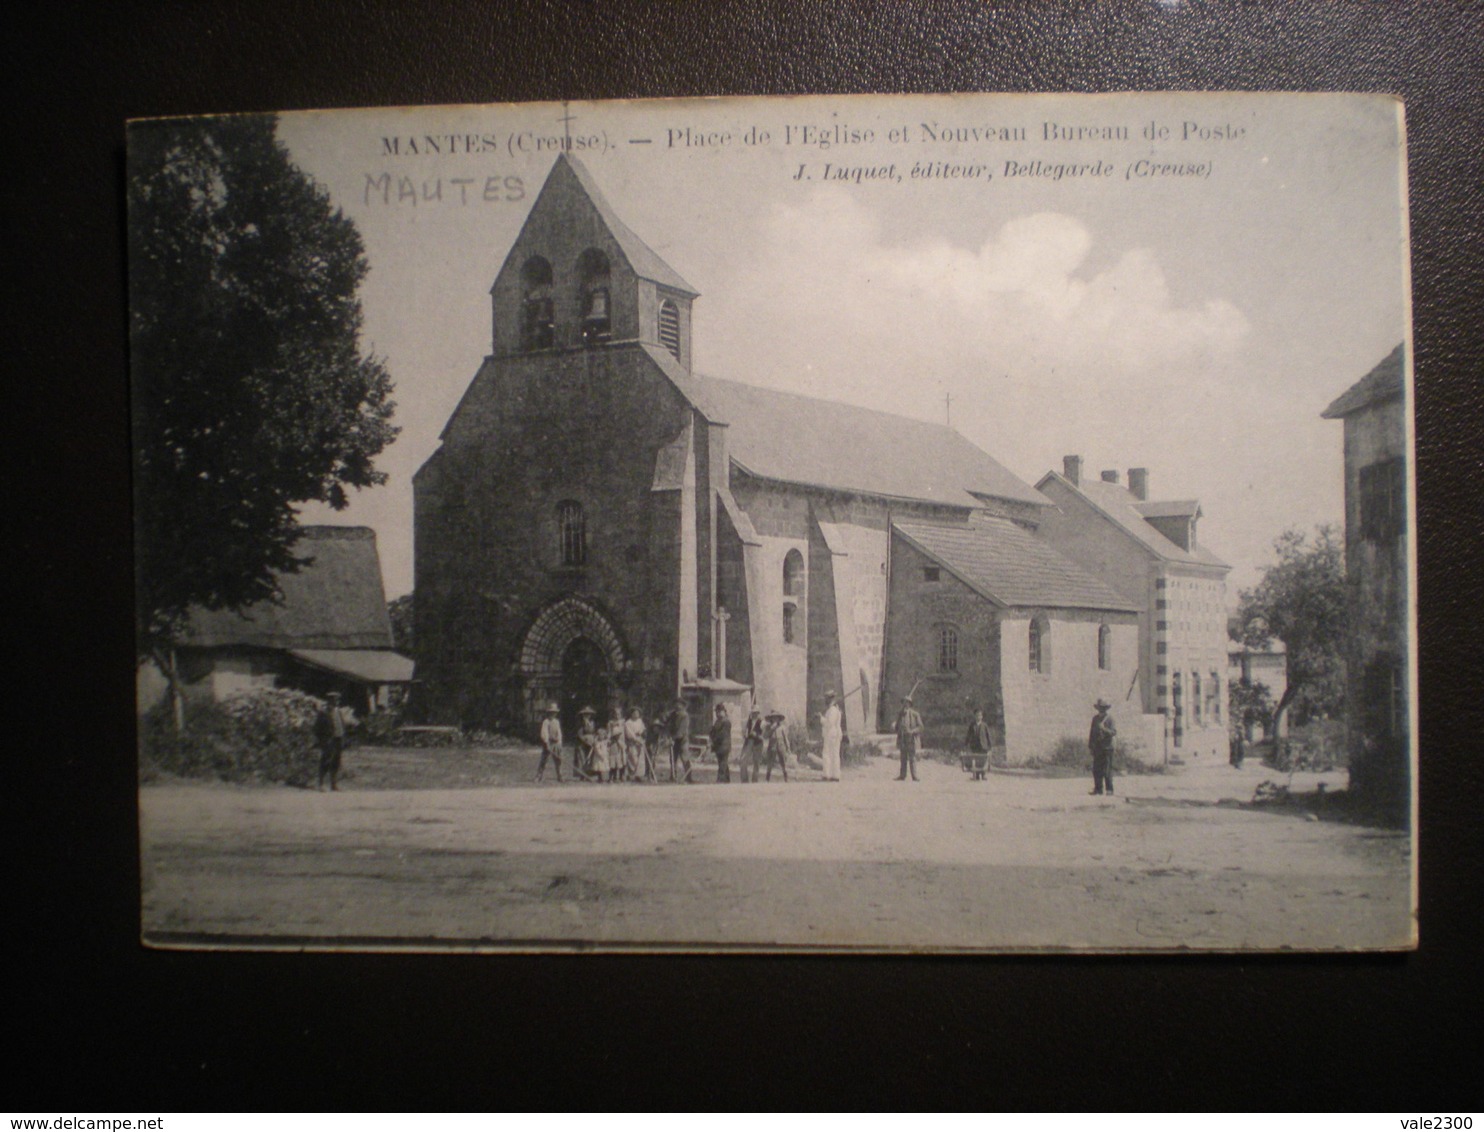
[(1383, 500), (1196, 705), (572, 528), (1177, 704), (537, 322), (669, 327), (1213, 698), (1385, 698), (947, 649), (1105, 647), (1040, 644)]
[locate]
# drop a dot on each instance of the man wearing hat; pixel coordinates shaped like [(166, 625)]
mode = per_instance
[(754, 743), (1100, 742), (909, 735), (721, 743), (680, 740), (551, 742), (833, 733), (778, 748), (329, 735)]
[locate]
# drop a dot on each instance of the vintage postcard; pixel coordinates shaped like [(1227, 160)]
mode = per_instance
[(930, 523)]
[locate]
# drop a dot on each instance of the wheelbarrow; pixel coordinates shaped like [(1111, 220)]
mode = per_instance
[(977, 765)]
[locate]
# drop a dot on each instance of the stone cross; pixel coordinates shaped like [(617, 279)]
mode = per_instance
[(720, 667)]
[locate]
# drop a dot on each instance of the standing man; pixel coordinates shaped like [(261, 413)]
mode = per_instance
[(721, 743), (1100, 742), (680, 740), (778, 748), (909, 735), (829, 726), (754, 742), (551, 742), (329, 735)]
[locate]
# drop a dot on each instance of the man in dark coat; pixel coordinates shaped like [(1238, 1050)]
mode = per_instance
[(329, 736), (909, 736), (721, 743), (1100, 742)]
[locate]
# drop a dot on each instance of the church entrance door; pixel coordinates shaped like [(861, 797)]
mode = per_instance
[(585, 683)]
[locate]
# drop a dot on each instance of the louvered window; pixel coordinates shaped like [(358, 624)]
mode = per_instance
[(670, 327)]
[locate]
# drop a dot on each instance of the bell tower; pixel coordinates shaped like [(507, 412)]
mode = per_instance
[(578, 278)]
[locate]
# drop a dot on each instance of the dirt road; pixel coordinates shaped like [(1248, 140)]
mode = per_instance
[(1015, 862)]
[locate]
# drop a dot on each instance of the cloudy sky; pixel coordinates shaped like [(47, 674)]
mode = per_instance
[(1195, 324)]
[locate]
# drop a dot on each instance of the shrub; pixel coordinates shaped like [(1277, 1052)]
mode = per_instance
[(266, 735), (1070, 753)]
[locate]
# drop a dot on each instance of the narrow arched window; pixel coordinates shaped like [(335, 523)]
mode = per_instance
[(573, 527), (537, 321), (793, 574), (947, 648), (669, 327), (1040, 644), (594, 300), (1105, 647), (790, 623)]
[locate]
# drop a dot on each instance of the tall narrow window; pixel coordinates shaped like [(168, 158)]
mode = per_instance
[(537, 322), (1213, 698), (947, 649), (790, 619), (595, 313), (793, 574), (1105, 647), (670, 327), (1195, 699), (1177, 701), (1040, 644), (1383, 501), (573, 525)]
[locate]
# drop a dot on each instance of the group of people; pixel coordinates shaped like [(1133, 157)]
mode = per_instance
[(625, 750)]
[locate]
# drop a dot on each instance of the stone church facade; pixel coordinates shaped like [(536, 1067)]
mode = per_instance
[(602, 523)]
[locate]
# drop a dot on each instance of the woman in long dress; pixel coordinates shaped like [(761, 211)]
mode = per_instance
[(617, 753), (830, 728)]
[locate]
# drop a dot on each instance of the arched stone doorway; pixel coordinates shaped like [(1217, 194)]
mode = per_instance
[(572, 655)]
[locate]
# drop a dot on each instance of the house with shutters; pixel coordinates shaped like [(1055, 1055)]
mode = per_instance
[(602, 523), (1148, 550)]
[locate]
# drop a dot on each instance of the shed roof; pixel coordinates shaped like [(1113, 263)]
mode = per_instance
[(1383, 383), (371, 666), (818, 443), (335, 602), (1011, 566)]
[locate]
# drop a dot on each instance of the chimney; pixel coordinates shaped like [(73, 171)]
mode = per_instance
[(1072, 469), (1110, 476), (1138, 483)]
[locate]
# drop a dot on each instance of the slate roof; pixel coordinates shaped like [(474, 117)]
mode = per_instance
[(642, 258), (1384, 383), (1123, 507), (336, 602), (805, 440), (1011, 566)]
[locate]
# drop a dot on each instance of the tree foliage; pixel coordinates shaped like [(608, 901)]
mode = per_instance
[(1301, 601), (399, 612), (251, 394)]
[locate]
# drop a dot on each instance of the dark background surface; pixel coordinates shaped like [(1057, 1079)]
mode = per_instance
[(107, 1025)]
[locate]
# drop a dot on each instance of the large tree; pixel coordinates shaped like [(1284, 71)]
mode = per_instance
[(251, 392), (1301, 601)]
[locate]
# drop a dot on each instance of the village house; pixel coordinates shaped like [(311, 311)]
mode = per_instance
[(1148, 551), (1377, 720), (601, 522), (330, 633)]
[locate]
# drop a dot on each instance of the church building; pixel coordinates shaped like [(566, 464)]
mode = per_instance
[(601, 522)]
